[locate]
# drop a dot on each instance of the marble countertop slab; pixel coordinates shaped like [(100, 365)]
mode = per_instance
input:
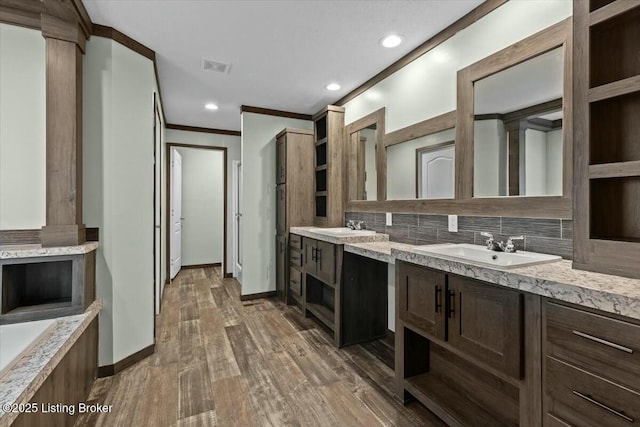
[(23, 380), (380, 251), (313, 233), (612, 294), (34, 251)]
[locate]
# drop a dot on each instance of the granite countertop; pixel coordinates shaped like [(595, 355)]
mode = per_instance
[(35, 250), (316, 233), (612, 294), (22, 381), (380, 251)]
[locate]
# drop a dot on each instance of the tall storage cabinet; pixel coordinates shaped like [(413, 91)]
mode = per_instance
[(294, 194), (607, 136), (329, 167)]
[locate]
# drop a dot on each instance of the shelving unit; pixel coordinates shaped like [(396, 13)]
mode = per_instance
[(607, 135), (328, 132)]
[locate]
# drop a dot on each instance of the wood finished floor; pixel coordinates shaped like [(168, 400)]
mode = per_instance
[(220, 361)]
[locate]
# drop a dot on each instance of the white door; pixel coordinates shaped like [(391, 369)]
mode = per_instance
[(437, 173), (237, 216), (176, 212), (157, 161)]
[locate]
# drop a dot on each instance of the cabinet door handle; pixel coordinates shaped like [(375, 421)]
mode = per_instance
[(318, 255), (604, 342), (438, 295), (593, 401), (313, 254), (452, 296)]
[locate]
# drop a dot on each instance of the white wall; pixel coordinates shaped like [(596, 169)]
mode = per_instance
[(233, 153), (427, 87), (22, 128), (554, 162), (258, 204), (371, 185), (533, 171), (118, 192), (202, 205), (401, 164), (489, 154)]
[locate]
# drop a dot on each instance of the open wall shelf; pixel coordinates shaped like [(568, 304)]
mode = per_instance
[(607, 129)]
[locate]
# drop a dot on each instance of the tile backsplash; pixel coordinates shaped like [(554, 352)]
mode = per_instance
[(550, 236)]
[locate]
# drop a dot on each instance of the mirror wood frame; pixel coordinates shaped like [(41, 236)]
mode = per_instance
[(352, 139), (555, 36)]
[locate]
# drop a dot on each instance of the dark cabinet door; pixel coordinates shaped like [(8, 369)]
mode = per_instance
[(281, 158), (309, 255), (421, 299), (281, 209), (486, 321), (326, 261), (281, 265)]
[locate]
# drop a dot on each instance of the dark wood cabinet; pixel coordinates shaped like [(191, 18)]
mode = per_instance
[(281, 265), (294, 201), (591, 368), (460, 348), (320, 259), (281, 209), (281, 159), (486, 321), (421, 299)]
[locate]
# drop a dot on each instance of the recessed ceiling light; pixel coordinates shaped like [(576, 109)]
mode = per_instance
[(211, 106), (333, 86), (391, 40)]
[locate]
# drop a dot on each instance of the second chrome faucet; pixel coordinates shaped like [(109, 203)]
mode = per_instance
[(493, 245)]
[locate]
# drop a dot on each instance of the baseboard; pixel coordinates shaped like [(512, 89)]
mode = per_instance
[(249, 297), (215, 264), (109, 370), (391, 335), (228, 275)]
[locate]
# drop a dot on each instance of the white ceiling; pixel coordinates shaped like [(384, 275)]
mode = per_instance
[(283, 53)]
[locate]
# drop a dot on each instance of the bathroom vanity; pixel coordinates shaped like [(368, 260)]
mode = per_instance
[(340, 291)]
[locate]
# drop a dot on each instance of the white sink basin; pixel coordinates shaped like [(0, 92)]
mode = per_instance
[(482, 256), (343, 231)]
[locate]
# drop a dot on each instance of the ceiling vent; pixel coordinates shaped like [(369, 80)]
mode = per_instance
[(217, 66)]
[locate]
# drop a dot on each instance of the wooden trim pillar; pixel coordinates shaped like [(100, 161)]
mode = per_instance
[(65, 42)]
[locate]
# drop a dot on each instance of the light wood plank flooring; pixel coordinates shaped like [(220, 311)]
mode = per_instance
[(220, 361)]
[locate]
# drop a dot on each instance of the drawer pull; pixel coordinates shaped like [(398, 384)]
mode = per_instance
[(590, 399), (605, 342)]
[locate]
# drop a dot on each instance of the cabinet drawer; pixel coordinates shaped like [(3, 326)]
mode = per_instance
[(580, 398), (295, 282), (295, 241), (608, 347), (295, 258)]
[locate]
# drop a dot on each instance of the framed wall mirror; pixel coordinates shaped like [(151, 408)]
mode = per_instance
[(366, 164), (514, 129), (524, 169)]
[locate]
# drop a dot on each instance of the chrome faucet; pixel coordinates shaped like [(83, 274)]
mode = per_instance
[(508, 247), (359, 225)]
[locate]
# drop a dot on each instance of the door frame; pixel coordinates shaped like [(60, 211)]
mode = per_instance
[(157, 185), (235, 178), (169, 146)]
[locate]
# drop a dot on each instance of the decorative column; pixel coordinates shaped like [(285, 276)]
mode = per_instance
[(65, 43)]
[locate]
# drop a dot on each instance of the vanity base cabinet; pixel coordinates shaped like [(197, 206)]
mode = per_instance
[(591, 368), (461, 345)]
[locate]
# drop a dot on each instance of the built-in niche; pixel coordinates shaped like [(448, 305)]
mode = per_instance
[(45, 287)]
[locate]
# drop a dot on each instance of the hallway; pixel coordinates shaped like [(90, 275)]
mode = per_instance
[(220, 361)]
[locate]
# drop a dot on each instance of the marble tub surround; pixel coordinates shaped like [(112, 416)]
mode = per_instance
[(316, 233), (26, 376), (380, 251), (612, 294), (36, 250), (550, 236)]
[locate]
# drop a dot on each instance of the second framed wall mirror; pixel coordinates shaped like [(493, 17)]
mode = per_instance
[(365, 153)]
